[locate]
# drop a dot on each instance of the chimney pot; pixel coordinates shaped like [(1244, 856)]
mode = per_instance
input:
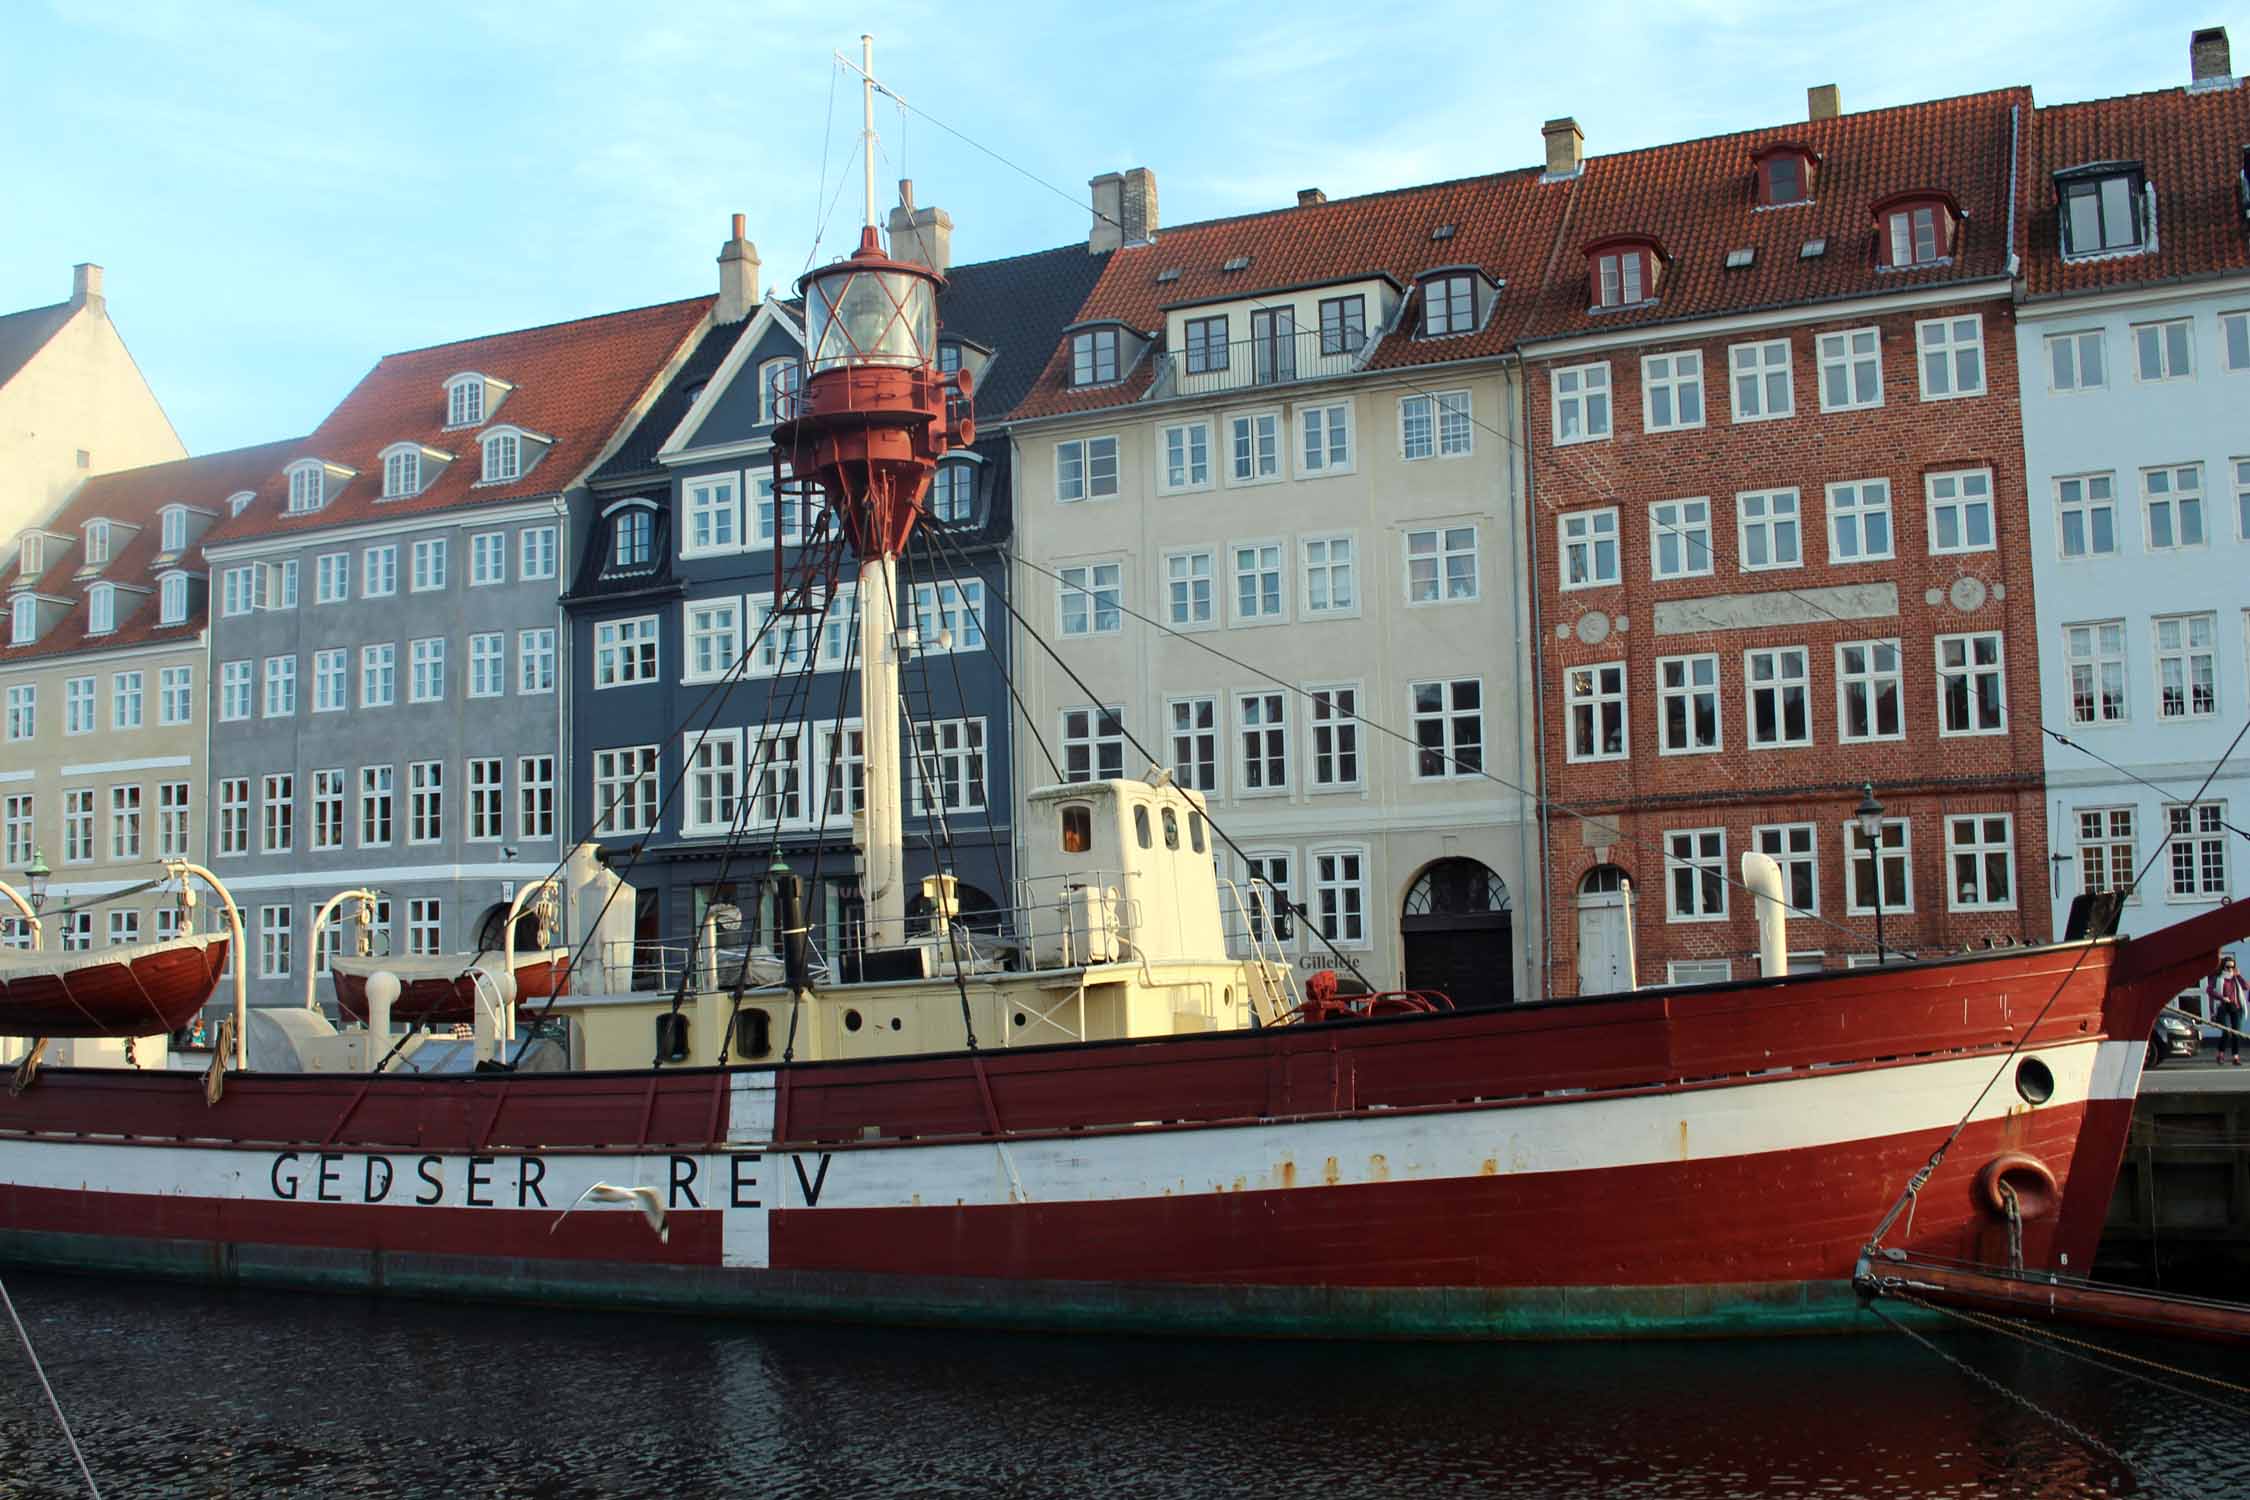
[(1823, 101), (738, 277), (1307, 197), (1566, 145), (86, 285), (2209, 58), (738, 226)]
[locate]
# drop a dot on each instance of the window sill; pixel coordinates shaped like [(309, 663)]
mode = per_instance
[(1572, 442), (1927, 398)]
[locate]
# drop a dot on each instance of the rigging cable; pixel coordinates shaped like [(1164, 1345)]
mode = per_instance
[(41, 1371)]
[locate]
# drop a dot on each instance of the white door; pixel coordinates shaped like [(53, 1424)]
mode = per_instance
[(1604, 942)]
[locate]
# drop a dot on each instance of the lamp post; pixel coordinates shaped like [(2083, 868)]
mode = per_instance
[(1870, 816), (35, 879)]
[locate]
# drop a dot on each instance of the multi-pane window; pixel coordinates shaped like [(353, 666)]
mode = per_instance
[(464, 402), (2187, 669), (328, 809), (775, 510), (378, 571), (949, 759), (234, 815), (535, 660), (1588, 542), (1340, 895), (1960, 510), (488, 664), (273, 941), (1594, 699), (124, 928), (1618, 279), (23, 711), (1687, 701), (632, 538), (1090, 599), (535, 555), (425, 925), (2173, 501), (1187, 456), (1769, 533), (78, 825), (948, 617), (378, 675), (1206, 345), (425, 802), (427, 663), (332, 577), (1581, 402), (1859, 521), (2164, 351), (1439, 425), (1882, 874), (125, 700), (1695, 862), (124, 822), (279, 804), (1188, 588), (1763, 385), (1980, 852), (15, 825), (1335, 736), (235, 689), (1330, 585), (2095, 654), (1914, 236), (2234, 338), (487, 794), (1093, 741), (1972, 684), (78, 705), (777, 383), (1254, 447), (2198, 844), (1870, 688), (1778, 681), (1794, 847), (2086, 515), (308, 487), (1262, 731), (2076, 362), (1679, 538), (1672, 391), (625, 651), (281, 687), (429, 565), (488, 558), (1851, 369), (843, 764), (2100, 213), (953, 491), (330, 668), (374, 806), (171, 819), (175, 695), (625, 790), (1267, 893), (1441, 564), (535, 796), (241, 589), (714, 639), (1448, 727), (503, 456), (1343, 324), (172, 599), (1326, 432), (2107, 856), (402, 473), (1086, 469), (1952, 357), (1093, 357), (1195, 742), (1258, 593), (1449, 305)]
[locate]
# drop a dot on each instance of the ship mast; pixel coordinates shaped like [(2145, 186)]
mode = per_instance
[(873, 420)]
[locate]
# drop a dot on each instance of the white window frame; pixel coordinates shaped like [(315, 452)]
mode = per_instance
[(1839, 351), (175, 695), (2206, 834), (535, 660), (1449, 740), (1343, 920), (1951, 349), (625, 782), (1863, 505), (1196, 739), (2161, 329), (1677, 376), (1268, 462), (1795, 847), (1318, 560), (428, 572), (1194, 473), (1577, 391), (1332, 738), (426, 670), (1077, 469), (1901, 854), (1978, 850), (1084, 581), (1279, 571), (627, 651), (1579, 535), (425, 802), (1868, 682), (1317, 427), (488, 558), (1769, 515), (1082, 737), (2186, 655), (2076, 498), (1261, 738), (331, 676), (503, 456), (1175, 582), (713, 502), (1592, 689), (1934, 502), (1671, 521), (538, 550), (1972, 669), (1755, 365), (1779, 684), (378, 572), (2095, 650), (2108, 849), (1705, 856), (378, 662), (2077, 341), (1676, 681), (488, 664), (2178, 489), (1443, 551)]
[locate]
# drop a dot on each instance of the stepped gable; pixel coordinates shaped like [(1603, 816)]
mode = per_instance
[(2192, 143), (1698, 200), (571, 382), (136, 497)]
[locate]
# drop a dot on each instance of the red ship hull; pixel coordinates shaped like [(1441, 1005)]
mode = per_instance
[(139, 990)]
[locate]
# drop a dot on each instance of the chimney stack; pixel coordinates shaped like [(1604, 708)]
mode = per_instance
[(2210, 63), (1124, 205), (1566, 147), (1823, 101), (86, 287), (738, 278), (921, 235), (1307, 197)]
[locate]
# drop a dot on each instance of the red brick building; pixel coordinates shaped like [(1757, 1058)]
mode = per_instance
[(1777, 475)]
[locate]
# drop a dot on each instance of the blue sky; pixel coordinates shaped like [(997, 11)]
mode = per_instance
[(282, 193)]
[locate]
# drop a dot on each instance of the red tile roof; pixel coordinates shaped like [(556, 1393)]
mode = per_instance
[(2191, 146), (576, 383), (135, 496)]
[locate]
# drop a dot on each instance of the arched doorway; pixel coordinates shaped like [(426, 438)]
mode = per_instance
[(1605, 931), (1458, 933), (491, 930)]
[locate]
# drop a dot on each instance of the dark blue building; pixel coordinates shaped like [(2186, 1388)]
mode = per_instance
[(708, 737)]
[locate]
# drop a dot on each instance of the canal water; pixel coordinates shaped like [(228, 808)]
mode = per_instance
[(179, 1391)]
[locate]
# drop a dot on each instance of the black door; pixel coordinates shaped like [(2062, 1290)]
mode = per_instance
[(1458, 934)]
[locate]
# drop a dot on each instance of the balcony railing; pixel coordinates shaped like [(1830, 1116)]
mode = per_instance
[(1254, 363)]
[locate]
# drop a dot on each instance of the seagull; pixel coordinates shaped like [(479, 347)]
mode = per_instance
[(651, 1205)]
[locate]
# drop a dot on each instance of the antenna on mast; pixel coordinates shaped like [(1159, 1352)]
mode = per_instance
[(867, 115)]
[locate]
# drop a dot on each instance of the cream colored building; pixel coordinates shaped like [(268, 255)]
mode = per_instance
[(72, 404), (1282, 552)]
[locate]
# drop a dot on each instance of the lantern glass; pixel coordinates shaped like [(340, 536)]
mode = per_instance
[(869, 317)]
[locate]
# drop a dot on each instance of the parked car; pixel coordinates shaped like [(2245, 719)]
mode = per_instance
[(2175, 1036)]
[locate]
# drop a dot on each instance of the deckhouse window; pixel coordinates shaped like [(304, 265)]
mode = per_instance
[(503, 456), (308, 488), (1093, 357), (1449, 305), (2101, 210)]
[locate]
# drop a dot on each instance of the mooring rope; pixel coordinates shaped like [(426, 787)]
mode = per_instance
[(2038, 1339), (41, 1371)]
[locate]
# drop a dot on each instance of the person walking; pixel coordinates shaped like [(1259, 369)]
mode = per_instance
[(2229, 995)]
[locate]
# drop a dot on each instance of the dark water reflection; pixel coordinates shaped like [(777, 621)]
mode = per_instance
[(187, 1392)]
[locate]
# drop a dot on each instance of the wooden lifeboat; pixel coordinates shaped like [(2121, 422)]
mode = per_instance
[(441, 988), (140, 989)]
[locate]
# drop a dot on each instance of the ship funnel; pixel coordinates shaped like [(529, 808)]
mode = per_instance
[(1761, 874)]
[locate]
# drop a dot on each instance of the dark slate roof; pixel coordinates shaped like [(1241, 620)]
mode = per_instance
[(636, 457), (1017, 308), (23, 334)]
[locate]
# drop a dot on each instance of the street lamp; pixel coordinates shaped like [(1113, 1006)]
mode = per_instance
[(1870, 816), (35, 879)]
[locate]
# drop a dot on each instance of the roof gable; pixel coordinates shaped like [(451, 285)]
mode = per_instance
[(24, 334)]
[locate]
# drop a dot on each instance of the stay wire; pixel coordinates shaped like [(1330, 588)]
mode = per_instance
[(40, 1370), (934, 798), (2068, 1348), (2167, 793)]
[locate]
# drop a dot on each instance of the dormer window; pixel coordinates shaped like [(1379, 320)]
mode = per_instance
[(1915, 229), (632, 537), (953, 490), (1624, 271), (471, 397), (101, 609), (97, 543), (2103, 207), (1449, 304), (503, 456), (777, 387), (239, 501), (31, 557), (172, 529), (308, 486), (1785, 174), (174, 599), (1094, 357), (402, 471), (948, 357), (23, 627)]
